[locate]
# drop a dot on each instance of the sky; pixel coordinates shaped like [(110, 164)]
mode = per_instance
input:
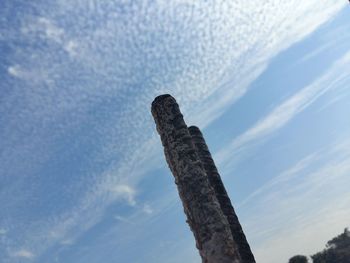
[(82, 174)]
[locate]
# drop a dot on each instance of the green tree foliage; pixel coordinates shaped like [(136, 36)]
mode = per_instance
[(337, 251), (298, 259)]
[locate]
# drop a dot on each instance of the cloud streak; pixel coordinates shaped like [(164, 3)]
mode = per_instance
[(124, 192), (23, 253), (91, 72), (294, 207), (285, 112)]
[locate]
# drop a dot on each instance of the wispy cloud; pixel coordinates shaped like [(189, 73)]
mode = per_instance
[(45, 28), (286, 111), (101, 92), (275, 37), (121, 219), (283, 177), (147, 209), (302, 208), (23, 253), (124, 192), (67, 242), (15, 71)]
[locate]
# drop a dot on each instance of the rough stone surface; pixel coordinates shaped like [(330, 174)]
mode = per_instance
[(204, 216), (221, 195)]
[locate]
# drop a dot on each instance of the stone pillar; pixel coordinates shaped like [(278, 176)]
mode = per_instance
[(221, 195), (204, 216)]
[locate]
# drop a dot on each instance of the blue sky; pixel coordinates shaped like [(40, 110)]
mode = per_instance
[(82, 173)]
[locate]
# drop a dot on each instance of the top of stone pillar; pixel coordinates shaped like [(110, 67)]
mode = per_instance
[(160, 99), (194, 130)]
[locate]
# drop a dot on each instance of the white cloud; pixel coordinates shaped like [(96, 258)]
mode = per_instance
[(302, 208), (71, 47), (124, 192), (15, 71), (50, 30), (188, 50), (44, 28), (35, 77), (286, 111), (285, 27), (283, 177), (304, 239), (122, 219), (67, 242), (3, 231), (147, 209), (23, 253)]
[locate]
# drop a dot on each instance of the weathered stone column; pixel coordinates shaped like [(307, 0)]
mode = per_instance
[(221, 194), (207, 222)]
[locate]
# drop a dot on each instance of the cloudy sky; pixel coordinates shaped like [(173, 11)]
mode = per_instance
[(82, 174)]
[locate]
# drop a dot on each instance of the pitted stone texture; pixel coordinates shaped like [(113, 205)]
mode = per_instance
[(221, 195), (204, 216)]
